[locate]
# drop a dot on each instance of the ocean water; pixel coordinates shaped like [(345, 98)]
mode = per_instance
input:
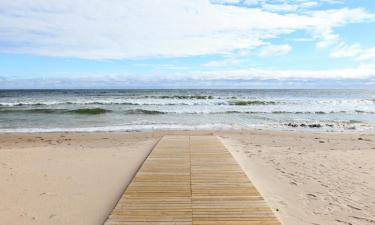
[(133, 110)]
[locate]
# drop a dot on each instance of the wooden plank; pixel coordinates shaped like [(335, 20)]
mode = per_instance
[(160, 193), (221, 192), (191, 180)]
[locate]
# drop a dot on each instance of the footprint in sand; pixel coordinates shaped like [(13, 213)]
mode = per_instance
[(312, 196)]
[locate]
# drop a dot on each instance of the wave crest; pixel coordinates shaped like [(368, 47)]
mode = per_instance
[(251, 102), (86, 111)]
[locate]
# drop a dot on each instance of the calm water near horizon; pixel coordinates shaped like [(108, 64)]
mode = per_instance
[(131, 110)]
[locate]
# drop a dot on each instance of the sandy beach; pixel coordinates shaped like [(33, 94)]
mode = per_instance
[(274, 102), (77, 178)]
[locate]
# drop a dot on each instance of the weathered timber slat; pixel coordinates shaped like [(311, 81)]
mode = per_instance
[(191, 180)]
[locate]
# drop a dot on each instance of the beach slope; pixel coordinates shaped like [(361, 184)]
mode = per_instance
[(77, 178)]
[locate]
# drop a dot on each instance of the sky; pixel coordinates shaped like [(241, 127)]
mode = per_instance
[(187, 44)]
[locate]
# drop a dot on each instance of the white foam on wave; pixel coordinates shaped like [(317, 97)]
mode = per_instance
[(122, 101), (166, 127), (337, 102), (127, 128)]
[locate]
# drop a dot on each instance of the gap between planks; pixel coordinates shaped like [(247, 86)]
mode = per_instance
[(191, 180)]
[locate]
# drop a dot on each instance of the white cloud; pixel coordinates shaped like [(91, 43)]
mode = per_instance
[(329, 19), (343, 50), (367, 54), (361, 72), (355, 51), (225, 1), (117, 29), (364, 72), (275, 50), (223, 62), (288, 5)]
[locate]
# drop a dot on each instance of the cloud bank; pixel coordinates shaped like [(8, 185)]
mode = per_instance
[(216, 42), (362, 76), (116, 29)]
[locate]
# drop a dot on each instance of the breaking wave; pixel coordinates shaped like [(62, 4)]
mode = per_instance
[(86, 111)]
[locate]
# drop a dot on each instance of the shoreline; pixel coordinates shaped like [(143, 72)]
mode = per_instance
[(225, 128), (306, 177)]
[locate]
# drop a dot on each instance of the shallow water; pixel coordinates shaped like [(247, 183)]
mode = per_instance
[(112, 110)]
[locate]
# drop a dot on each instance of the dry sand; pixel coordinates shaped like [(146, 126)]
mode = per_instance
[(311, 178), (77, 178), (65, 179)]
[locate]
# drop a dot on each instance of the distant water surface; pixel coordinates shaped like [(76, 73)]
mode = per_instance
[(130, 110)]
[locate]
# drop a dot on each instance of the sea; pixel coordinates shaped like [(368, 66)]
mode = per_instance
[(147, 110)]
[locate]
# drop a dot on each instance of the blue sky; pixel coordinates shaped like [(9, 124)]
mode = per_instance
[(191, 44)]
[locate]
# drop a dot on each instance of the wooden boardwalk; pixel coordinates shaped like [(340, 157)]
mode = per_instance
[(191, 180)]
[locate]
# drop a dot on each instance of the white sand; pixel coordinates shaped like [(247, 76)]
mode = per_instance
[(311, 178), (77, 178), (75, 182)]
